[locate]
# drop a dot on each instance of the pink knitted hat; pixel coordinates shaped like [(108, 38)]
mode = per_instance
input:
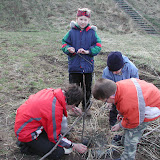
[(83, 12)]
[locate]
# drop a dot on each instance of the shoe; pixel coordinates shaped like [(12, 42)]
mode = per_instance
[(19, 144), (117, 140), (24, 148)]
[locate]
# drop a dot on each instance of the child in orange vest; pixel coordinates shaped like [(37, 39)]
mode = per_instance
[(137, 102)]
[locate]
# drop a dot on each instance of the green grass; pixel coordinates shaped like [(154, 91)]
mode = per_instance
[(36, 61), (35, 16)]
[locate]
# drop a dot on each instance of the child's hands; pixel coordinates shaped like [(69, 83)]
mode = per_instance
[(77, 111), (79, 147), (71, 49), (115, 127), (82, 51)]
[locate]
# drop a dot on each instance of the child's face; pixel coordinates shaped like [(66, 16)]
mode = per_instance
[(111, 99), (83, 21), (119, 72)]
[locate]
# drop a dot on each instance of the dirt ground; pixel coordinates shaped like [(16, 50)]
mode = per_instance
[(14, 98)]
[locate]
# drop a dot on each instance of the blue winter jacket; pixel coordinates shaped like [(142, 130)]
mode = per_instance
[(86, 39), (129, 70)]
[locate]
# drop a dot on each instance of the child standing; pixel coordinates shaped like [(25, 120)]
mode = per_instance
[(81, 44), (137, 102)]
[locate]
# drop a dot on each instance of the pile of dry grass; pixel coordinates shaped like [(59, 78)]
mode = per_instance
[(149, 146), (98, 132)]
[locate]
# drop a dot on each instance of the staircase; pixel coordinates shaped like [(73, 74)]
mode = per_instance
[(141, 21)]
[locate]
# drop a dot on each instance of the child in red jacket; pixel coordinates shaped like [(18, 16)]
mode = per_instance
[(137, 102), (38, 121)]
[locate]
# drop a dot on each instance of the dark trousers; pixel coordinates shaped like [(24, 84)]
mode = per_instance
[(78, 79), (41, 146), (113, 115)]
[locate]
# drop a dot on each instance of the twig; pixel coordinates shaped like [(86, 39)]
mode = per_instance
[(84, 58), (151, 131), (85, 105)]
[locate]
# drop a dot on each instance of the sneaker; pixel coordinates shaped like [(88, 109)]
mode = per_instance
[(117, 140), (24, 148)]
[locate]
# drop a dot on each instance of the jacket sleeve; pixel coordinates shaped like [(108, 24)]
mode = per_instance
[(66, 43), (134, 71), (96, 48), (52, 126), (129, 122), (106, 74)]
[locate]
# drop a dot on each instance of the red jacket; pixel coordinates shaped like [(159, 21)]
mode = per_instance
[(43, 110), (133, 98)]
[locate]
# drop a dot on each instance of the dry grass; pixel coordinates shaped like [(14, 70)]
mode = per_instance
[(149, 146), (97, 130)]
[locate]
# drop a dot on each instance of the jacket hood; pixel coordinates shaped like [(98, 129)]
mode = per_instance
[(61, 98), (125, 59), (73, 24)]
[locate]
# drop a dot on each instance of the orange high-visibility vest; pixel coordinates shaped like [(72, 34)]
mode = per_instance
[(137, 101)]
